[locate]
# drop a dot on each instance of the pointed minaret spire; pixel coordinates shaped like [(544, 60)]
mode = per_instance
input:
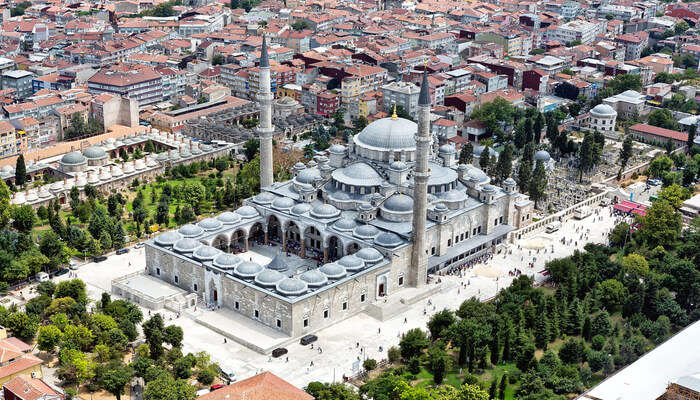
[(424, 96), (264, 58)]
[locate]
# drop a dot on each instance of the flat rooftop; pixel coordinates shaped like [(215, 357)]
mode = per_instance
[(648, 377), (151, 286)]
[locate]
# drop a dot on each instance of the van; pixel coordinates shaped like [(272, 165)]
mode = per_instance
[(122, 251), (308, 339), (42, 277), (582, 212), (553, 227)]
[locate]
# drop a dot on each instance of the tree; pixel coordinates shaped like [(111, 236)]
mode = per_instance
[(674, 195), (413, 343), (574, 109), (567, 91), (74, 288), (22, 325), (661, 225), (502, 387), (251, 148), (625, 82), (20, 171), (466, 155), (330, 391), (300, 25), (49, 337), (601, 324), (439, 323), (116, 379), (663, 118), (625, 154), (660, 166), (611, 294), (173, 335), (472, 392), (165, 387), (485, 160), (636, 265), (504, 167), (572, 351), (369, 364), (692, 130), (23, 218), (5, 206), (52, 247), (75, 366), (538, 184), (360, 123)]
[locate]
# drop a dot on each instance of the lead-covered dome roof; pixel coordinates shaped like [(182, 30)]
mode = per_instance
[(292, 287), (398, 203), (209, 224), (186, 245), (247, 212), (206, 253), (333, 270), (94, 153), (226, 261), (542, 155), (168, 238), (73, 158), (603, 110), (389, 134), (358, 174), (314, 278), (228, 218), (268, 277), (388, 239), (352, 263), (370, 255), (324, 211), (190, 231)]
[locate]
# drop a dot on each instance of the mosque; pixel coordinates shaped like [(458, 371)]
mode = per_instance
[(370, 219)]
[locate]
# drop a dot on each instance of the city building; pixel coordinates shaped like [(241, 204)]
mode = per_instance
[(265, 386), (601, 118), (654, 134), (19, 80), (404, 94), (627, 104), (23, 387), (142, 84), (583, 31)]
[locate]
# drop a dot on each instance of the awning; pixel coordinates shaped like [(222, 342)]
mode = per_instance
[(468, 244)]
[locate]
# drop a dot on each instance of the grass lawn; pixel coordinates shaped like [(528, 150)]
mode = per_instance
[(454, 378)]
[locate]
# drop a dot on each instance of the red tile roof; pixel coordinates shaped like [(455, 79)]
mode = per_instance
[(265, 386), (655, 130), (31, 389)]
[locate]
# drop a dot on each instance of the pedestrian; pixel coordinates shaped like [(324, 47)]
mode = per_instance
[(405, 320), (379, 331), (224, 340), (286, 360)]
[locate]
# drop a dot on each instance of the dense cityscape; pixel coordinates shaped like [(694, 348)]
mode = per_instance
[(388, 200)]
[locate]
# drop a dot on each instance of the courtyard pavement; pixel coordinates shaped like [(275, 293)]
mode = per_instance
[(359, 336)]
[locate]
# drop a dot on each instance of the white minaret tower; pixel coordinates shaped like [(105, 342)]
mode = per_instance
[(418, 269), (265, 128)]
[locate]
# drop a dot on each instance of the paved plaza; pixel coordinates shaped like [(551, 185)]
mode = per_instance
[(360, 336)]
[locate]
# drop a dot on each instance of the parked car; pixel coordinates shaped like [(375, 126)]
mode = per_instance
[(308, 339), (228, 375), (42, 277), (122, 251), (215, 387), (61, 271), (138, 245), (73, 265), (279, 352), (99, 259)]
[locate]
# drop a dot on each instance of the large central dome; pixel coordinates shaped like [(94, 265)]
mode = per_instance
[(389, 134)]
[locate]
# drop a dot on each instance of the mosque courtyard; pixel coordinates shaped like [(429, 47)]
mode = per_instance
[(361, 335)]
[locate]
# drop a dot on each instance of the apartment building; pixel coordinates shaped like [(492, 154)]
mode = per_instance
[(362, 79), (19, 80), (404, 94), (634, 43), (623, 13), (575, 30), (142, 84), (8, 139)]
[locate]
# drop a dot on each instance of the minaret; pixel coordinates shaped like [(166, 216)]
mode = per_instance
[(418, 269), (265, 128)]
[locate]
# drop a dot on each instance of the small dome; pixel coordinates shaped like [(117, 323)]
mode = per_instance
[(398, 203), (139, 165), (441, 207), (190, 231), (314, 278), (268, 277), (476, 175), (292, 287), (31, 196), (58, 185), (370, 255), (365, 232), (206, 253), (228, 218), (398, 166), (447, 149), (352, 263), (299, 166), (247, 212), (94, 153), (509, 182), (480, 149), (308, 175), (44, 192), (300, 209), (264, 198), (168, 238), (247, 270), (283, 203), (388, 239), (337, 149), (542, 155), (324, 211), (93, 179), (73, 158), (603, 110), (345, 224), (333, 270), (186, 245), (489, 188), (226, 261), (209, 224), (162, 157)]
